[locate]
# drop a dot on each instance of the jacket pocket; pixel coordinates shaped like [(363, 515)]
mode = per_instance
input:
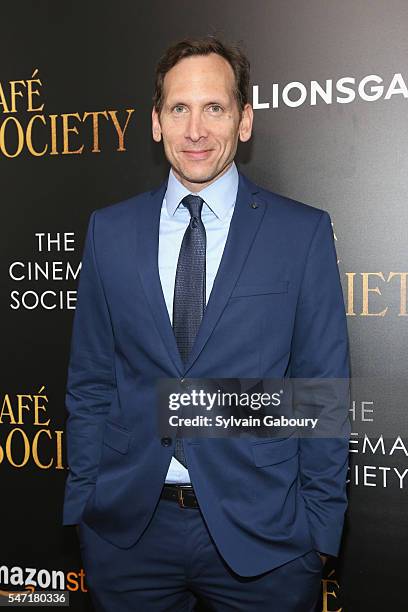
[(116, 437), (272, 452), (275, 287)]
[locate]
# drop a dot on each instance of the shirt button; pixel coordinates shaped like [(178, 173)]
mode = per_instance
[(166, 441)]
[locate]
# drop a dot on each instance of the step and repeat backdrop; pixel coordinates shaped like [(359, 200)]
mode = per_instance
[(329, 87)]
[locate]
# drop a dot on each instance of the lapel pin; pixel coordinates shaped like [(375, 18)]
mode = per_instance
[(254, 205)]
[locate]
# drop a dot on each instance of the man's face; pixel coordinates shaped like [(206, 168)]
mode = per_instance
[(200, 121)]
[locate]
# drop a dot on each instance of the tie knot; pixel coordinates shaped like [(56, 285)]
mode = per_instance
[(194, 205)]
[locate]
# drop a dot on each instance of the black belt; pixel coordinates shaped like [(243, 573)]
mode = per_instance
[(183, 494)]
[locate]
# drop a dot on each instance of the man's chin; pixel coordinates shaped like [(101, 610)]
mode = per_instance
[(199, 180), (198, 177)]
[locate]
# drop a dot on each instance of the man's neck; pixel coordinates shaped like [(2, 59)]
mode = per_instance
[(197, 187)]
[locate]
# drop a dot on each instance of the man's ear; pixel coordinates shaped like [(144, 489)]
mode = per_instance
[(156, 128), (245, 126)]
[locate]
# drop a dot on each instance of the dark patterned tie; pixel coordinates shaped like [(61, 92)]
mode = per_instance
[(189, 289)]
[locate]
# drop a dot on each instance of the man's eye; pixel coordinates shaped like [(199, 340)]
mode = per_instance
[(216, 108), (178, 109)]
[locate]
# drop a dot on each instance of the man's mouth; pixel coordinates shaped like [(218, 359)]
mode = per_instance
[(203, 154)]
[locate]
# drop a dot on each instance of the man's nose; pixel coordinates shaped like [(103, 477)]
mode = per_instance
[(196, 127)]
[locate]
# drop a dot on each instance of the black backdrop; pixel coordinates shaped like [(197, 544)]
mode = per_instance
[(347, 154)]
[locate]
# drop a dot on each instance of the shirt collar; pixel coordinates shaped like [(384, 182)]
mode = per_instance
[(219, 196)]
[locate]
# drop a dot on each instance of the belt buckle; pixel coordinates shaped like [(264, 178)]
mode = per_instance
[(180, 497)]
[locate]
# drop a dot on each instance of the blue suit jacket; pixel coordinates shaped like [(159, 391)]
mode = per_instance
[(276, 309)]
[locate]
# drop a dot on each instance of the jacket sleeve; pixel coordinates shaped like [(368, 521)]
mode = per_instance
[(320, 350), (90, 383)]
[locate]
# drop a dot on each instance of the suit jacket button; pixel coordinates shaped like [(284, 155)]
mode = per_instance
[(165, 441)]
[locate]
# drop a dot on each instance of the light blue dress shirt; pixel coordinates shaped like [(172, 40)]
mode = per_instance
[(219, 201)]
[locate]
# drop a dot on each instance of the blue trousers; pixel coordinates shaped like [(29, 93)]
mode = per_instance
[(176, 566)]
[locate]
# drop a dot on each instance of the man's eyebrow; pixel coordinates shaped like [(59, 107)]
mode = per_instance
[(176, 103), (206, 103)]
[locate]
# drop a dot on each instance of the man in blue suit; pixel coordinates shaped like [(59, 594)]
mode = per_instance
[(209, 276)]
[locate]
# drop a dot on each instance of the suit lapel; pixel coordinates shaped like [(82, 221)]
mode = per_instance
[(246, 218), (147, 261)]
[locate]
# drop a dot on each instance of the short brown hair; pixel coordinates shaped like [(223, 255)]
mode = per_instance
[(204, 46)]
